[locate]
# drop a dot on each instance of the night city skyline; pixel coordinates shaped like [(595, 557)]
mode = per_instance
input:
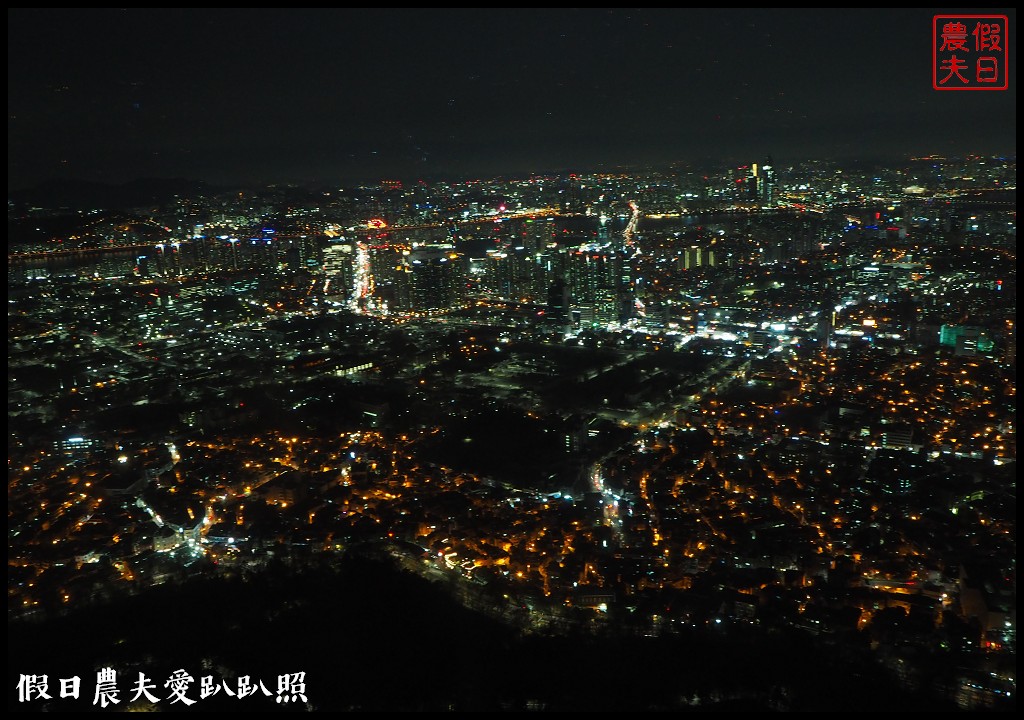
[(505, 360)]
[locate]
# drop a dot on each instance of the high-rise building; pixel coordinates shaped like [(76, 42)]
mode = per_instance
[(435, 279), (768, 190), (143, 265), (386, 276), (1010, 354), (339, 270), (558, 301), (696, 256), (595, 286), (516, 274), (754, 183), (761, 184)]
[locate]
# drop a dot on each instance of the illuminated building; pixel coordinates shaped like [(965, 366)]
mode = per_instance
[(301, 252), (753, 184), (75, 444), (760, 184), (899, 436), (514, 274), (498, 274), (696, 256), (434, 278), (1010, 355), (263, 250), (767, 190), (965, 340), (339, 270), (382, 275), (595, 279), (143, 266), (234, 253)]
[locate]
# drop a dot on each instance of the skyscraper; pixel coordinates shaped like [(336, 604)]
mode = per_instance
[(767, 190), (595, 285), (383, 274), (339, 270), (435, 279), (696, 256), (760, 185), (558, 301)]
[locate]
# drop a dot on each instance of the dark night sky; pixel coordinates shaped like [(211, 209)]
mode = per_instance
[(279, 95)]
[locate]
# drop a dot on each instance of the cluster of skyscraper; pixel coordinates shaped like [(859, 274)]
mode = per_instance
[(394, 278), (760, 183), (586, 283)]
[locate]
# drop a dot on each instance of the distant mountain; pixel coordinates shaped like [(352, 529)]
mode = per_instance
[(85, 195)]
